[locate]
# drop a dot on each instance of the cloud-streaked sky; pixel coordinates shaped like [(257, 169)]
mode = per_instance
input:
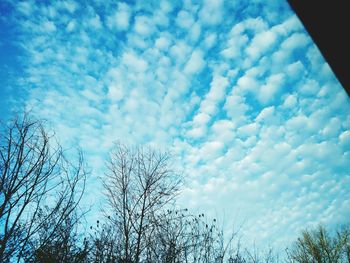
[(236, 90)]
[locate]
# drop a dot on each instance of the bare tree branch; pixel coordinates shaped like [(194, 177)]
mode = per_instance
[(35, 176)]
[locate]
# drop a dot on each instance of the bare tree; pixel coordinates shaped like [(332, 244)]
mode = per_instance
[(320, 246), (103, 244), (65, 244), (138, 186), (37, 185), (178, 236), (170, 237)]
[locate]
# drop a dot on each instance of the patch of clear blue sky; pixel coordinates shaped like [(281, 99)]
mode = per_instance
[(11, 56)]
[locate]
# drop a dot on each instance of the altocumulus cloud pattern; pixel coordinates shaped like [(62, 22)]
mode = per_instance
[(236, 90)]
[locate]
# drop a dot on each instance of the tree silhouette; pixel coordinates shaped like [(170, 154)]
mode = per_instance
[(138, 186), (38, 186), (318, 245)]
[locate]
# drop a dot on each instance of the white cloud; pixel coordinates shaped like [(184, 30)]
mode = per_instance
[(291, 24), (115, 92), (95, 22), (211, 12), (297, 123), (290, 101), (288, 48), (310, 87), (208, 106), (248, 130), (195, 32), (163, 43), (224, 130), (266, 114), (271, 88), (48, 26), (201, 119), (235, 46), (71, 25), (248, 83), (239, 42), (261, 43), (295, 70), (120, 20), (143, 25), (253, 24), (332, 128), (184, 19), (344, 139), (180, 51), (210, 150), (196, 63), (217, 88), (296, 40), (197, 132), (236, 107), (161, 18), (25, 8), (137, 41), (71, 6), (210, 40), (133, 62)]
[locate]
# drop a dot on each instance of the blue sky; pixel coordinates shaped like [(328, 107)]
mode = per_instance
[(236, 90)]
